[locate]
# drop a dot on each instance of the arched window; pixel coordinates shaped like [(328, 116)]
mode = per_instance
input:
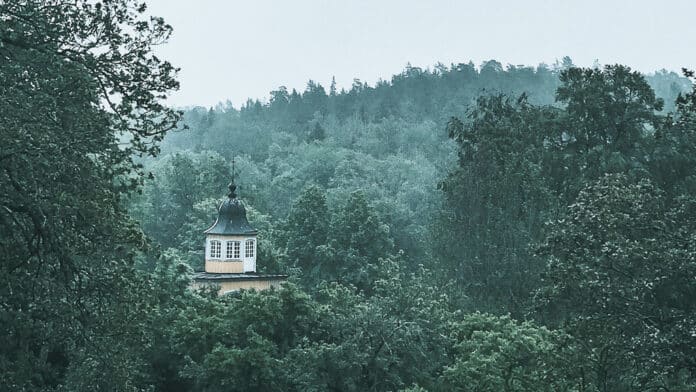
[(232, 251), (249, 248), (215, 249)]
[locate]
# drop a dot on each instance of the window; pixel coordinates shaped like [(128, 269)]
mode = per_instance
[(215, 249), (249, 248), (232, 250)]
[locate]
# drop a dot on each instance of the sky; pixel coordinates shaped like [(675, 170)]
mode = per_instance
[(234, 50)]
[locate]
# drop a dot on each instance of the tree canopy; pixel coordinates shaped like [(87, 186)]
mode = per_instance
[(80, 94)]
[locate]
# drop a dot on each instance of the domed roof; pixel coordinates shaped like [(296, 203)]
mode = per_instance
[(231, 218)]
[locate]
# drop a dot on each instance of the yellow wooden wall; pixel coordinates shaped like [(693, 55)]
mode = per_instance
[(229, 267)]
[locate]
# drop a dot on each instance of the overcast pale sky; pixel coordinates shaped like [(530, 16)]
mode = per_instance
[(239, 49)]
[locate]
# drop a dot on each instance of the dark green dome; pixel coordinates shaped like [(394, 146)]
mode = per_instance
[(231, 218)]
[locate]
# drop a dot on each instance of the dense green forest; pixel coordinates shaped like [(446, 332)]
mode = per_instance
[(462, 227)]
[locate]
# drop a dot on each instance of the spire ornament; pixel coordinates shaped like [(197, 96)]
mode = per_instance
[(232, 186)]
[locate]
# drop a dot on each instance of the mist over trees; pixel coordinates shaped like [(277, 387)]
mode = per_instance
[(463, 227)]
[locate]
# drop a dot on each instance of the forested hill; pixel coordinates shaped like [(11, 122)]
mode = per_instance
[(377, 120), (388, 141), (401, 210), (436, 94)]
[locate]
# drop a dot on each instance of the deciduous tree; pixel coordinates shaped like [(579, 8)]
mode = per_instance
[(80, 93)]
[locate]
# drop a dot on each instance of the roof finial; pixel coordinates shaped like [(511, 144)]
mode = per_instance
[(232, 186)]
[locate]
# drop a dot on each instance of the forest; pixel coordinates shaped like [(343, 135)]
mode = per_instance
[(459, 227)]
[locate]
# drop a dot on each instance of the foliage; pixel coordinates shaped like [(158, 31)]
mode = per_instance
[(346, 245), (80, 93), (496, 200), (609, 124), (499, 354), (343, 187), (306, 230), (286, 340), (608, 106), (617, 277), (517, 165)]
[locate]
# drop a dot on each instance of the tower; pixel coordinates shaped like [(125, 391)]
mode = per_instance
[(230, 243), (230, 251)]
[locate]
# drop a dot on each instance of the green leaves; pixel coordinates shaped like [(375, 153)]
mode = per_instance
[(609, 106), (612, 262), (340, 339), (499, 354), (346, 245), (75, 79), (238, 369), (496, 199), (306, 229), (616, 258)]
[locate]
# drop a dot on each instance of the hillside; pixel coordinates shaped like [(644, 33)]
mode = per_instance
[(388, 140)]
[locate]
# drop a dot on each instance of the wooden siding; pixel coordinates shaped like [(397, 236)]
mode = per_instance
[(228, 267)]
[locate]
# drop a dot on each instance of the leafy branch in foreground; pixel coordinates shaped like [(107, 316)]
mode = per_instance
[(80, 94)]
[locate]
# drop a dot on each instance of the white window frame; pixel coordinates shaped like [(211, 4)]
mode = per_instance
[(233, 250), (249, 248), (215, 251)]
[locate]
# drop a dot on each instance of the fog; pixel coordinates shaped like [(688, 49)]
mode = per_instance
[(240, 49)]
